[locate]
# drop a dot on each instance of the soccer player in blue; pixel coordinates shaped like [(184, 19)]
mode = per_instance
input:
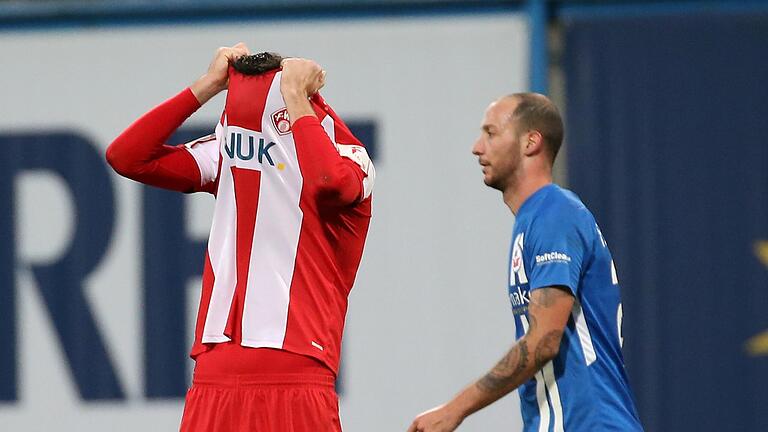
[(567, 363)]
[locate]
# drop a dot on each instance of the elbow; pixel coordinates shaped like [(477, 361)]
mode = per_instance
[(329, 194), (548, 347), (112, 158), (335, 190), (118, 160), (551, 354)]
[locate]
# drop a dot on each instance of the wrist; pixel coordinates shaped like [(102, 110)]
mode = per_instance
[(298, 105), (467, 402), (294, 95), (205, 88), (457, 411)]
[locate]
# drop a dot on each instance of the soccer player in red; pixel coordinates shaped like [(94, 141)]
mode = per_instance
[(293, 204)]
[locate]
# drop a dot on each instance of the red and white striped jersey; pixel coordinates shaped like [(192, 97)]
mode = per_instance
[(291, 217)]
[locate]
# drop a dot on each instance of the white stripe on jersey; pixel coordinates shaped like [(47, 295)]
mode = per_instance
[(547, 392), (583, 331), (548, 373), (221, 251), (275, 237), (327, 123), (541, 392), (359, 155), (355, 153), (205, 151), (541, 399)]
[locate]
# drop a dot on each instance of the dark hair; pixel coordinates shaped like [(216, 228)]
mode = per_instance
[(256, 64), (536, 112)]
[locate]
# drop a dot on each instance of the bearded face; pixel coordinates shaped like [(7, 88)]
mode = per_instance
[(498, 146)]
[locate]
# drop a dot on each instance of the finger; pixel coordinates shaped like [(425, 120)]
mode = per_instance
[(241, 52), (220, 52), (320, 85), (412, 428), (233, 54), (243, 47)]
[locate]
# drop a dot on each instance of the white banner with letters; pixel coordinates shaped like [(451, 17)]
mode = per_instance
[(429, 312)]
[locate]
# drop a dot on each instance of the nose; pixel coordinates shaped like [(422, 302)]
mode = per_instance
[(477, 147)]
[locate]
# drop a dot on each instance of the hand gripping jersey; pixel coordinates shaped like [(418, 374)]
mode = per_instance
[(292, 212), (556, 242)]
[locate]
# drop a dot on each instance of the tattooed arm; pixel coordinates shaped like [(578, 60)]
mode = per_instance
[(548, 314)]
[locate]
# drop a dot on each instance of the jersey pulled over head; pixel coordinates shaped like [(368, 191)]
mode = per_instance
[(293, 203)]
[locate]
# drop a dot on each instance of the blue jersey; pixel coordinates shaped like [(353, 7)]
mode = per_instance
[(556, 242)]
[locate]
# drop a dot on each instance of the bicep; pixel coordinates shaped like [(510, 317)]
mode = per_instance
[(338, 174), (174, 169), (359, 174), (548, 312), (185, 168), (549, 309)]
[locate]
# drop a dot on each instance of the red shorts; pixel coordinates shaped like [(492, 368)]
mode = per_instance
[(269, 403), (227, 396)]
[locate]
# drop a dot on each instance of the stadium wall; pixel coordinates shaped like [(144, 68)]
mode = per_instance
[(99, 277), (667, 124)]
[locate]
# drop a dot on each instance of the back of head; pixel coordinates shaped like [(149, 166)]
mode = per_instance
[(535, 111), (257, 64)]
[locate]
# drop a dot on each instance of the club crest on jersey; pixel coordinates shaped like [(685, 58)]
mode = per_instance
[(517, 260), (517, 274), (281, 121)]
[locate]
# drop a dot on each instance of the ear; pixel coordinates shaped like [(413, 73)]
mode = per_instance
[(533, 143)]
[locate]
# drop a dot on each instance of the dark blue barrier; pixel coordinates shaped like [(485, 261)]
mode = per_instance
[(667, 138), (82, 168)]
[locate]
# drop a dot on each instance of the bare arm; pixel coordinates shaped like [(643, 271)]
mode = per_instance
[(548, 312)]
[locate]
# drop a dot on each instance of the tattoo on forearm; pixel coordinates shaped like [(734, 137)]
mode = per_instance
[(546, 348), (507, 370), (510, 371)]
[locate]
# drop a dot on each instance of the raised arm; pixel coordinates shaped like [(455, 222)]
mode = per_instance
[(141, 153), (335, 179), (548, 312)]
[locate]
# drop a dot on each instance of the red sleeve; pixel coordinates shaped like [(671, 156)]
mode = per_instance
[(334, 179), (140, 152)]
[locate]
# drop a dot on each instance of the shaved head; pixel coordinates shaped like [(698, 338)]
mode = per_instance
[(534, 111)]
